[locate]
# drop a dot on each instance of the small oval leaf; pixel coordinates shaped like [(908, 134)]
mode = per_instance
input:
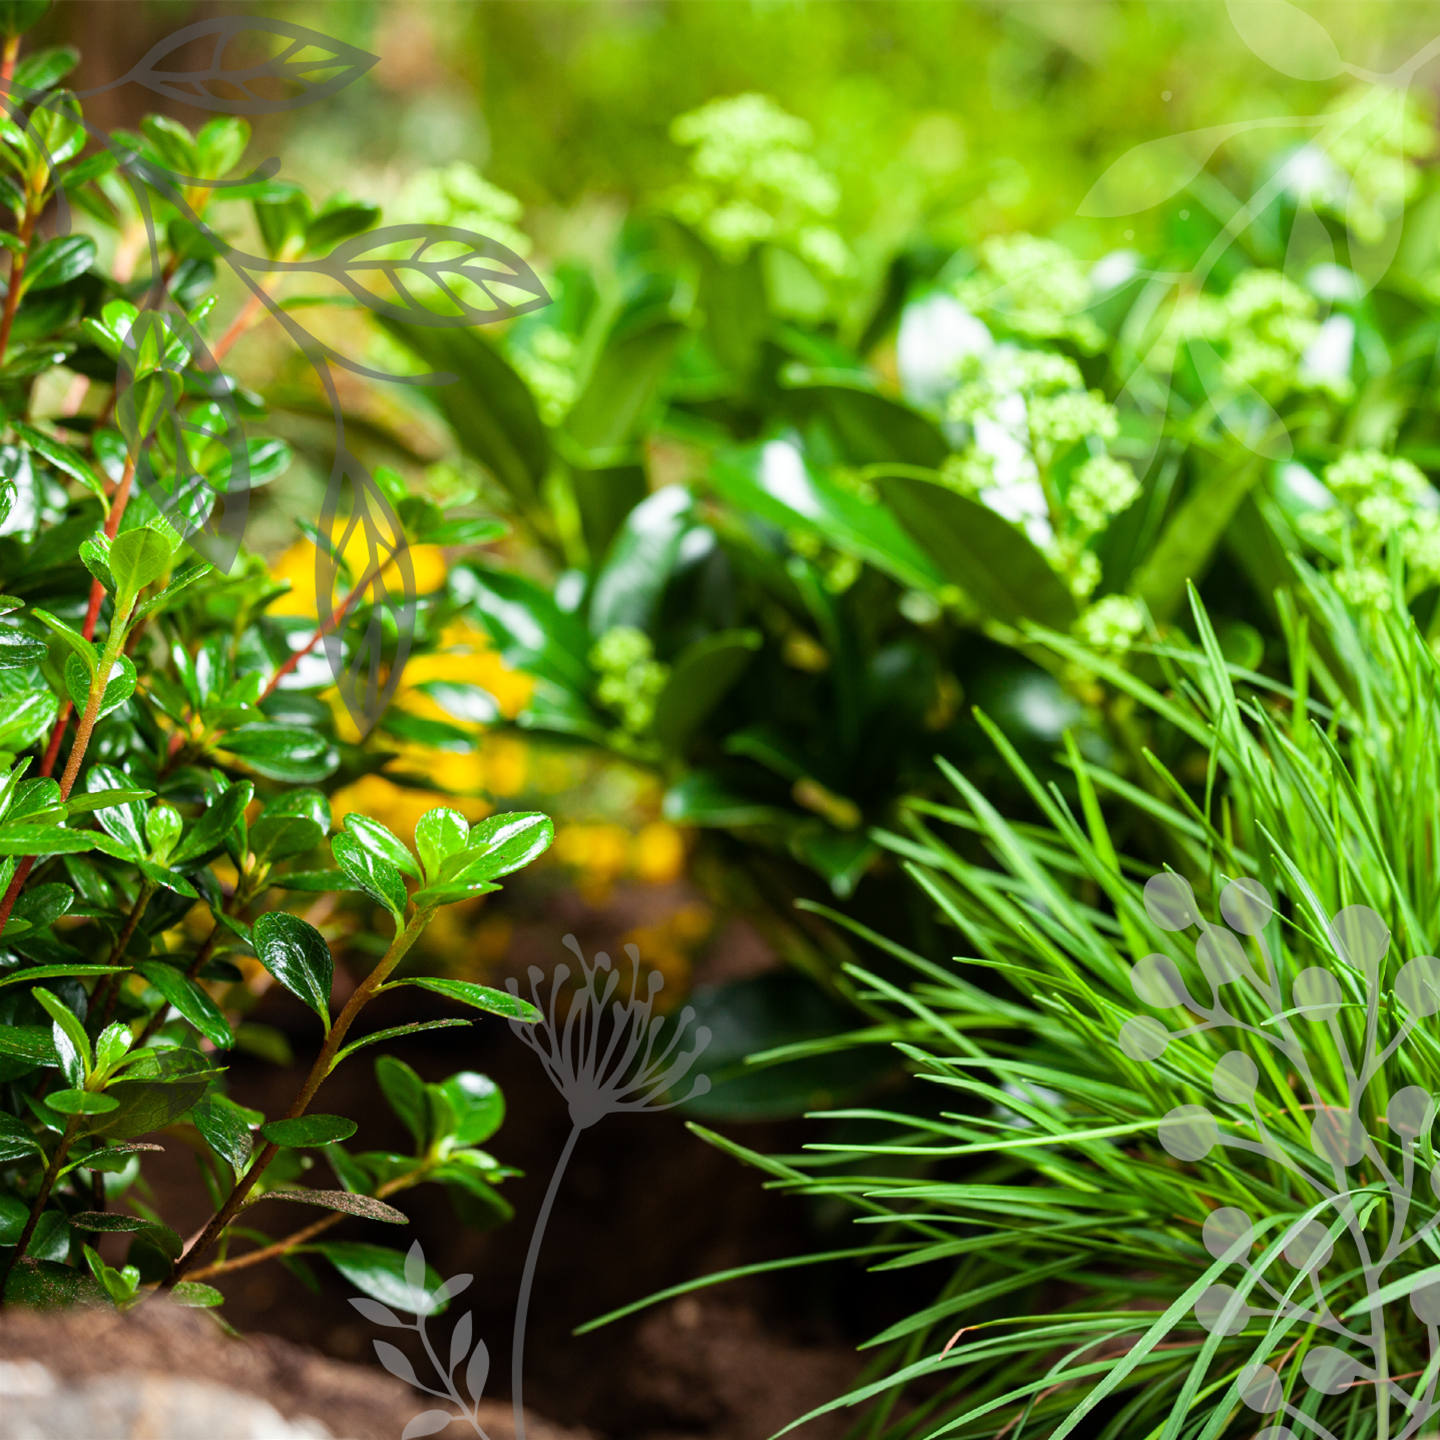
[(308, 1131)]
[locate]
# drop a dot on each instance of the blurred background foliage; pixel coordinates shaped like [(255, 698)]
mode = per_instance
[(774, 524)]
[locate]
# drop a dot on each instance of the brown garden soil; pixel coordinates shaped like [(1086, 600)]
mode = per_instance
[(644, 1205)]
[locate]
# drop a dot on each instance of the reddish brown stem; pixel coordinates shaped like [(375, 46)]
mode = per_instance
[(47, 1183), (246, 317), (321, 631), (17, 278), (364, 992), (283, 1247), (7, 61), (52, 750)]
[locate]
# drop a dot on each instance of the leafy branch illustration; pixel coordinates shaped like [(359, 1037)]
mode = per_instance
[(607, 1053), (421, 1301), (1338, 1141), (162, 359)]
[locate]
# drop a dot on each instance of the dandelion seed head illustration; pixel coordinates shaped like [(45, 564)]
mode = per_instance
[(608, 1052)]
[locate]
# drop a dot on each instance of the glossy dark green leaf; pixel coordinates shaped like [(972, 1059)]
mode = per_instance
[(307, 1131), (190, 1000), (65, 458), (480, 997), (68, 1032), (774, 482), (55, 840), (287, 753), (159, 1087), (208, 832), (225, 1130), (42, 905), (170, 879), (17, 649), (640, 561), (376, 877), (124, 821), (16, 1141), (405, 1091), (380, 842), (478, 1105), (380, 1274), (31, 1044), (291, 824), (296, 954), (699, 680), (59, 261), (47, 972), (992, 560)]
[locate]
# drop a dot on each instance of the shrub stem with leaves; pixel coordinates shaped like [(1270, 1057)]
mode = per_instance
[(146, 889)]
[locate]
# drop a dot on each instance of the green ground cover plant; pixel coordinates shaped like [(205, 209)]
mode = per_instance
[(166, 762), (1132, 1082)]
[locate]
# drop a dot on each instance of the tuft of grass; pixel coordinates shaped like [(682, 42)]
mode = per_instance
[(1073, 1241)]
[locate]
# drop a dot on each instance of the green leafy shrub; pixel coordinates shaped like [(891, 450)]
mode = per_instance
[(779, 552), (147, 885)]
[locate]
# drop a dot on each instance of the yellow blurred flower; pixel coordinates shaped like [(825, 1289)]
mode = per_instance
[(659, 853), (297, 565), (506, 764), (601, 854), (467, 657)]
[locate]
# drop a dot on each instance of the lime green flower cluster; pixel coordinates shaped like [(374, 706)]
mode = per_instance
[(1378, 152), (461, 196), (631, 678), (1113, 623), (755, 182), (1261, 327), (1033, 288), (1380, 500), (1028, 409)]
